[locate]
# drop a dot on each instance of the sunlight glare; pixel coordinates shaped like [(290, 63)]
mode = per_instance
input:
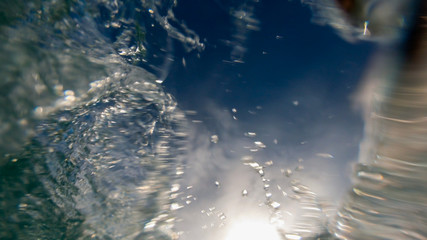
[(253, 230)]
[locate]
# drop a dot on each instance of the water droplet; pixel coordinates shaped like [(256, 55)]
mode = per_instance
[(287, 172), (214, 138), (251, 112), (324, 155), (175, 187), (175, 206), (23, 205), (217, 184), (179, 171), (275, 205), (69, 93), (38, 111), (250, 134), (260, 144), (150, 225), (191, 112), (244, 193)]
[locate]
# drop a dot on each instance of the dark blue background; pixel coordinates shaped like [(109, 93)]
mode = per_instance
[(307, 54), (309, 63)]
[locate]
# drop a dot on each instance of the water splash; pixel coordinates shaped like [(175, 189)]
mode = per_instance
[(52, 48), (388, 199), (91, 145), (106, 141), (104, 168)]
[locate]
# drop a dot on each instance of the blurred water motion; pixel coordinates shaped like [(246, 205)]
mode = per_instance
[(51, 48), (90, 142), (389, 198), (93, 147), (99, 171)]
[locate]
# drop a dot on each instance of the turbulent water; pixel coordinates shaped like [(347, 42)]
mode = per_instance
[(388, 198), (92, 147), (90, 142), (101, 170)]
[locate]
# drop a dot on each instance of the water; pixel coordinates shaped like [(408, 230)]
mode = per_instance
[(102, 170), (94, 145), (387, 199), (90, 142)]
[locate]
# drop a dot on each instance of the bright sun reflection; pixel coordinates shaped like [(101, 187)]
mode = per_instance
[(252, 230)]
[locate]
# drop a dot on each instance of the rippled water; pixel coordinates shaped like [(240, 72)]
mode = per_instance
[(93, 147), (388, 197), (90, 142)]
